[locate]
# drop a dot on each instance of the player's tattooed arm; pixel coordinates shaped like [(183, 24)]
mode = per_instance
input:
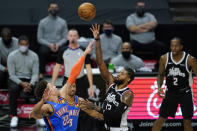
[(90, 109), (127, 98)]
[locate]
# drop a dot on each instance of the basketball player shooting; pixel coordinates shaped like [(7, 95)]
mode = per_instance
[(119, 97), (60, 108)]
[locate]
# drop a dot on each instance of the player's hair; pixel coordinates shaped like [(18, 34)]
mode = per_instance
[(23, 37), (39, 90), (131, 73), (108, 22), (178, 38)]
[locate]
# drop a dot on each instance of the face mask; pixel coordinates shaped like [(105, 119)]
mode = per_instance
[(53, 12), (23, 48), (140, 11), (7, 42), (108, 32), (126, 54)]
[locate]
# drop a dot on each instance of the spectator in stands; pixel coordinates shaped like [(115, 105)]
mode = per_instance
[(68, 56), (8, 43), (23, 68), (110, 42), (141, 25), (127, 59), (51, 35)]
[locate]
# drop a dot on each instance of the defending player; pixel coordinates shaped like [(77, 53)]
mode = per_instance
[(60, 108)]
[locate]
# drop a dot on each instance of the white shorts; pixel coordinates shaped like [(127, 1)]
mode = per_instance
[(118, 129)]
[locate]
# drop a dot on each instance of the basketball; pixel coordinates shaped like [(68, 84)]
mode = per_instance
[(86, 11)]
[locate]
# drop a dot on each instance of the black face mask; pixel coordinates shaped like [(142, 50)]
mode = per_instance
[(53, 12), (126, 54), (140, 11), (7, 42), (108, 32)]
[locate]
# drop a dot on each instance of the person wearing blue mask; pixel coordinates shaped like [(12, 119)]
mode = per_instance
[(23, 68), (110, 42)]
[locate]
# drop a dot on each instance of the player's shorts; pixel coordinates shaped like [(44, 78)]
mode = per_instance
[(170, 103)]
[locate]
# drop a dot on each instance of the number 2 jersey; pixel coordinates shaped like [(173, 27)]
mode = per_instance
[(177, 73), (64, 116), (115, 115)]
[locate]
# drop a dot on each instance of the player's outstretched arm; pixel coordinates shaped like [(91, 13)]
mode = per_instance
[(101, 64), (84, 105), (76, 69)]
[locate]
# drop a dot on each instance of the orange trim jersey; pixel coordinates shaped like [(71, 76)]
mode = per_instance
[(65, 116)]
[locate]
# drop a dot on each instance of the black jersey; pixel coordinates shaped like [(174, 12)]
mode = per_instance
[(177, 73), (112, 101)]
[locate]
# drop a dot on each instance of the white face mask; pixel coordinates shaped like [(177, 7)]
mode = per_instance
[(23, 48)]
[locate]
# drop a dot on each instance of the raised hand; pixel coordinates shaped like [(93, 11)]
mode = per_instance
[(95, 31)]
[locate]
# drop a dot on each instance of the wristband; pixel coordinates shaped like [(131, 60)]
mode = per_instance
[(97, 39)]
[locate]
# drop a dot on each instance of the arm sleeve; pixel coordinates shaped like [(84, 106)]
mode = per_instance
[(11, 70), (35, 71), (88, 59), (40, 33), (76, 70), (64, 34)]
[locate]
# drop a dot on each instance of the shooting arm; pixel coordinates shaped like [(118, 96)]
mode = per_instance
[(102, 66)]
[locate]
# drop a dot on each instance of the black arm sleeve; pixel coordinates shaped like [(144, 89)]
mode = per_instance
[(60, 59)]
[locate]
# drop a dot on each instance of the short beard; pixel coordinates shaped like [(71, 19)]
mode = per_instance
[(118, 82)]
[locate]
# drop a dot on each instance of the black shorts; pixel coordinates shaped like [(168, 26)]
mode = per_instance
[(172, 100)]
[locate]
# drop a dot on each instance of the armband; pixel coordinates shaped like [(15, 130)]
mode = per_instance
[(97, 39)]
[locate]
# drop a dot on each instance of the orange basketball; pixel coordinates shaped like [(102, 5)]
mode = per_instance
[(86, 11)]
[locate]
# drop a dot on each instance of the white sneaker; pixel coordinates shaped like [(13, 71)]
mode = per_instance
[(40, 122), (14, 122)]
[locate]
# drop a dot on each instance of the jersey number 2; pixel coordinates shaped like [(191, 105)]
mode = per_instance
[(175, 81)]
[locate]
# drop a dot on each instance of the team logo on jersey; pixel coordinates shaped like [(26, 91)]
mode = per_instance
[(175, 72), (112, 98)]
